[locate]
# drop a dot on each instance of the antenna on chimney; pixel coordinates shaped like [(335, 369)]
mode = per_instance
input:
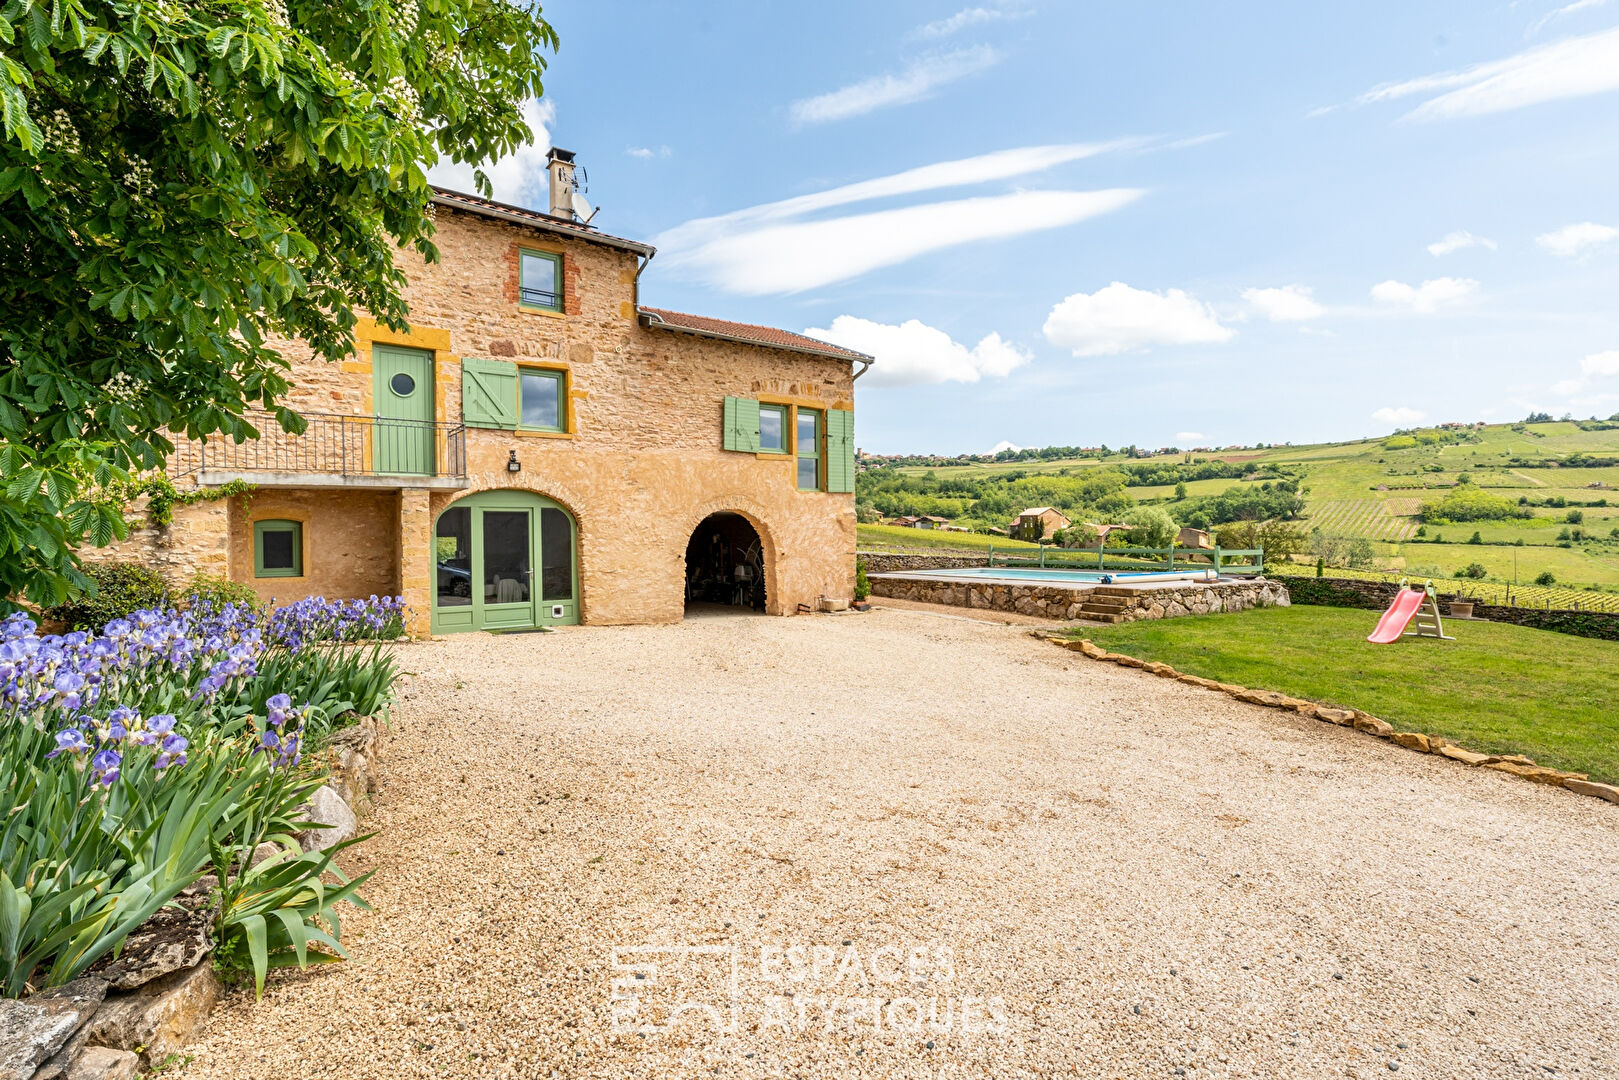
[(567, 182)]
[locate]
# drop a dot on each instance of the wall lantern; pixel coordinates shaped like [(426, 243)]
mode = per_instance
[(512, 464)]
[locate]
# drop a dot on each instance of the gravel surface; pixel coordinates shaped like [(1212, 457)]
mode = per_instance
[(1114, 875)]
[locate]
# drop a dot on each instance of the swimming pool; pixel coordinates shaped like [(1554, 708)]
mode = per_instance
[(1089, 577)]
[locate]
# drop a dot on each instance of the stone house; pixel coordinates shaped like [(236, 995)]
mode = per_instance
[(538, 448), (1038, 523)]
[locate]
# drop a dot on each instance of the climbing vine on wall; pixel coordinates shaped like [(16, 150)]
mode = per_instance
[(162, 496)]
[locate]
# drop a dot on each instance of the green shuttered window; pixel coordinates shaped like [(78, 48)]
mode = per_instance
[(489, 393), (823, 442)]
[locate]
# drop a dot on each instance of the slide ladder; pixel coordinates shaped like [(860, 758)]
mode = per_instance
[(1415, 612)]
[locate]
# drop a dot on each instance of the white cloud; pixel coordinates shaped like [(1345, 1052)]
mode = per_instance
[(1601, 365), (647, 153), (1456, 241), (973, 16), (1574, 67), (914, 354), (519, 177), (733, 251), (1290, 303), (1574, 240), (1189, 437), (1004, 445), (792, 256), (1399, 417), (1426, 298), (1119, 319), (915, 83)]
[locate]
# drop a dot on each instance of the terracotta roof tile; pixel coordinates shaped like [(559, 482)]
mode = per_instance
[(460, 200), (747, 333)]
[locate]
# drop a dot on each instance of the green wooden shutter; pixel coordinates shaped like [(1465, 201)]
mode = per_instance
[(489, 393), (839, 450), (742, 424)]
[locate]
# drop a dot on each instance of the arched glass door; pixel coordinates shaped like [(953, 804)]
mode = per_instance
[(504, 560)]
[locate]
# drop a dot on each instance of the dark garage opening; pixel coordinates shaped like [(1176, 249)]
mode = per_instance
[(725, 563)]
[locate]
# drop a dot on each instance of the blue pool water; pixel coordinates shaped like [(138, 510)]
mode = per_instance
[(1094, 577)]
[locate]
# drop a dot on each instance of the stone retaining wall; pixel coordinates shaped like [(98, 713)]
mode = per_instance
[(1377, 595), (888, 562), (1066, 601)]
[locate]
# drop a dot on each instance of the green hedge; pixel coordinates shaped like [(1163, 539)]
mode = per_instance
[(120, 588)]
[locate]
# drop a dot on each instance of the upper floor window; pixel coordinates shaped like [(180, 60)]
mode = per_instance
[(541, 280), (541, 393), (809, 449), (773, 429)]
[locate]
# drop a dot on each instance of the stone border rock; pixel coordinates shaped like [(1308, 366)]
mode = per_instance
[(1516, 764), (139, 1011)]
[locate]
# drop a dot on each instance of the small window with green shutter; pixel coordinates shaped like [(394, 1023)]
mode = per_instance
[(839, 450), (278, 549), (489, 393), (741, 420)]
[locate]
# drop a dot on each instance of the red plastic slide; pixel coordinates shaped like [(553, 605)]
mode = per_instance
[(1399, 615)]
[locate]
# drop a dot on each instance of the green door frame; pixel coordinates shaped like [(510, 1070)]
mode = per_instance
[(477, 615), (402, 448)]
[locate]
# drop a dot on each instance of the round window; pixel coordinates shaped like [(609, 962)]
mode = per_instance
[(402, 384)]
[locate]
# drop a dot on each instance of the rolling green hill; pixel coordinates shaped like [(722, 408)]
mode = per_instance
[(1375, 489)]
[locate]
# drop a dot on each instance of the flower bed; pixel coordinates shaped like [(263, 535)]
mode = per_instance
[(170, 746)]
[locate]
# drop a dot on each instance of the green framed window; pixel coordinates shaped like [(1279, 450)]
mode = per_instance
[(773, 429), (809, 449), (542, 395), (540, 280), (278, 549)]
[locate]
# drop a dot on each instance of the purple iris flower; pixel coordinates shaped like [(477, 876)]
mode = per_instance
[(104, 766), (69, 741)]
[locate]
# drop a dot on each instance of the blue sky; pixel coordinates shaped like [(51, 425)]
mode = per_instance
[(1080, 223)]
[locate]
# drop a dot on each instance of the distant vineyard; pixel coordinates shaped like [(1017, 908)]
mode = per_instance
[(1362, 517), (1556, 597)]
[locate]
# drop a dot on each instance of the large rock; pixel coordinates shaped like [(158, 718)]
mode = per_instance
[(34, 1029), (93, 1063), (326, 807), (1539, 774), (173, 938), (1466, 757), (1412, 740), (351, 757), (157, 1020), (1372, 725), (1335, 716), (1587, 787)]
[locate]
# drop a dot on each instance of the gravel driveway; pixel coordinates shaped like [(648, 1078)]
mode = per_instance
[(1013, 862)]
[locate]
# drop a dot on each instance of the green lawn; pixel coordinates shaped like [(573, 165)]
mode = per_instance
[(1498, 688)]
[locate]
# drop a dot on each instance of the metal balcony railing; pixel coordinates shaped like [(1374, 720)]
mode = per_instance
[(540, 297), (333, 445)]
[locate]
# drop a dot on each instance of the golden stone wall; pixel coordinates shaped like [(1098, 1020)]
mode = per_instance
[(642, 465)]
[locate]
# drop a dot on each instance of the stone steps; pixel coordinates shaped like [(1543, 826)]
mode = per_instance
[(1100, 616)]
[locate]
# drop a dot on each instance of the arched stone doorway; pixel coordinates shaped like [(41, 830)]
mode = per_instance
[(726, 564), (505, 560)]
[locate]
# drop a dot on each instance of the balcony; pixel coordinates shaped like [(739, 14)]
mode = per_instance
[(333, 451)]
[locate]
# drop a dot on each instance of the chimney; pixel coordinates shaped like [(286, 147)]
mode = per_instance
[(559, 163)]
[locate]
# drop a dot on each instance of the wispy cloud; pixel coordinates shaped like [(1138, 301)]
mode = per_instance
[(1572, 241), (915, 83), (1290, 303), (1427, 298), (914, 353), (735, 251), (1457, 241), (1574, 67), (973, 16), (1184, 437), (647, 153), (1602, 365), (793, 256), (1567, 9), (1119, 319)]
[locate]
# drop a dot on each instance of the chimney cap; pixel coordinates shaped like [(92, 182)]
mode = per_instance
[(556, 153)]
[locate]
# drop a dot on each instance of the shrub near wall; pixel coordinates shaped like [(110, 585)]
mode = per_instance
[(1377, 595)]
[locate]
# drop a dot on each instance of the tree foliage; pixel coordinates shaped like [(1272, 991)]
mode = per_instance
[(184, 184)]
